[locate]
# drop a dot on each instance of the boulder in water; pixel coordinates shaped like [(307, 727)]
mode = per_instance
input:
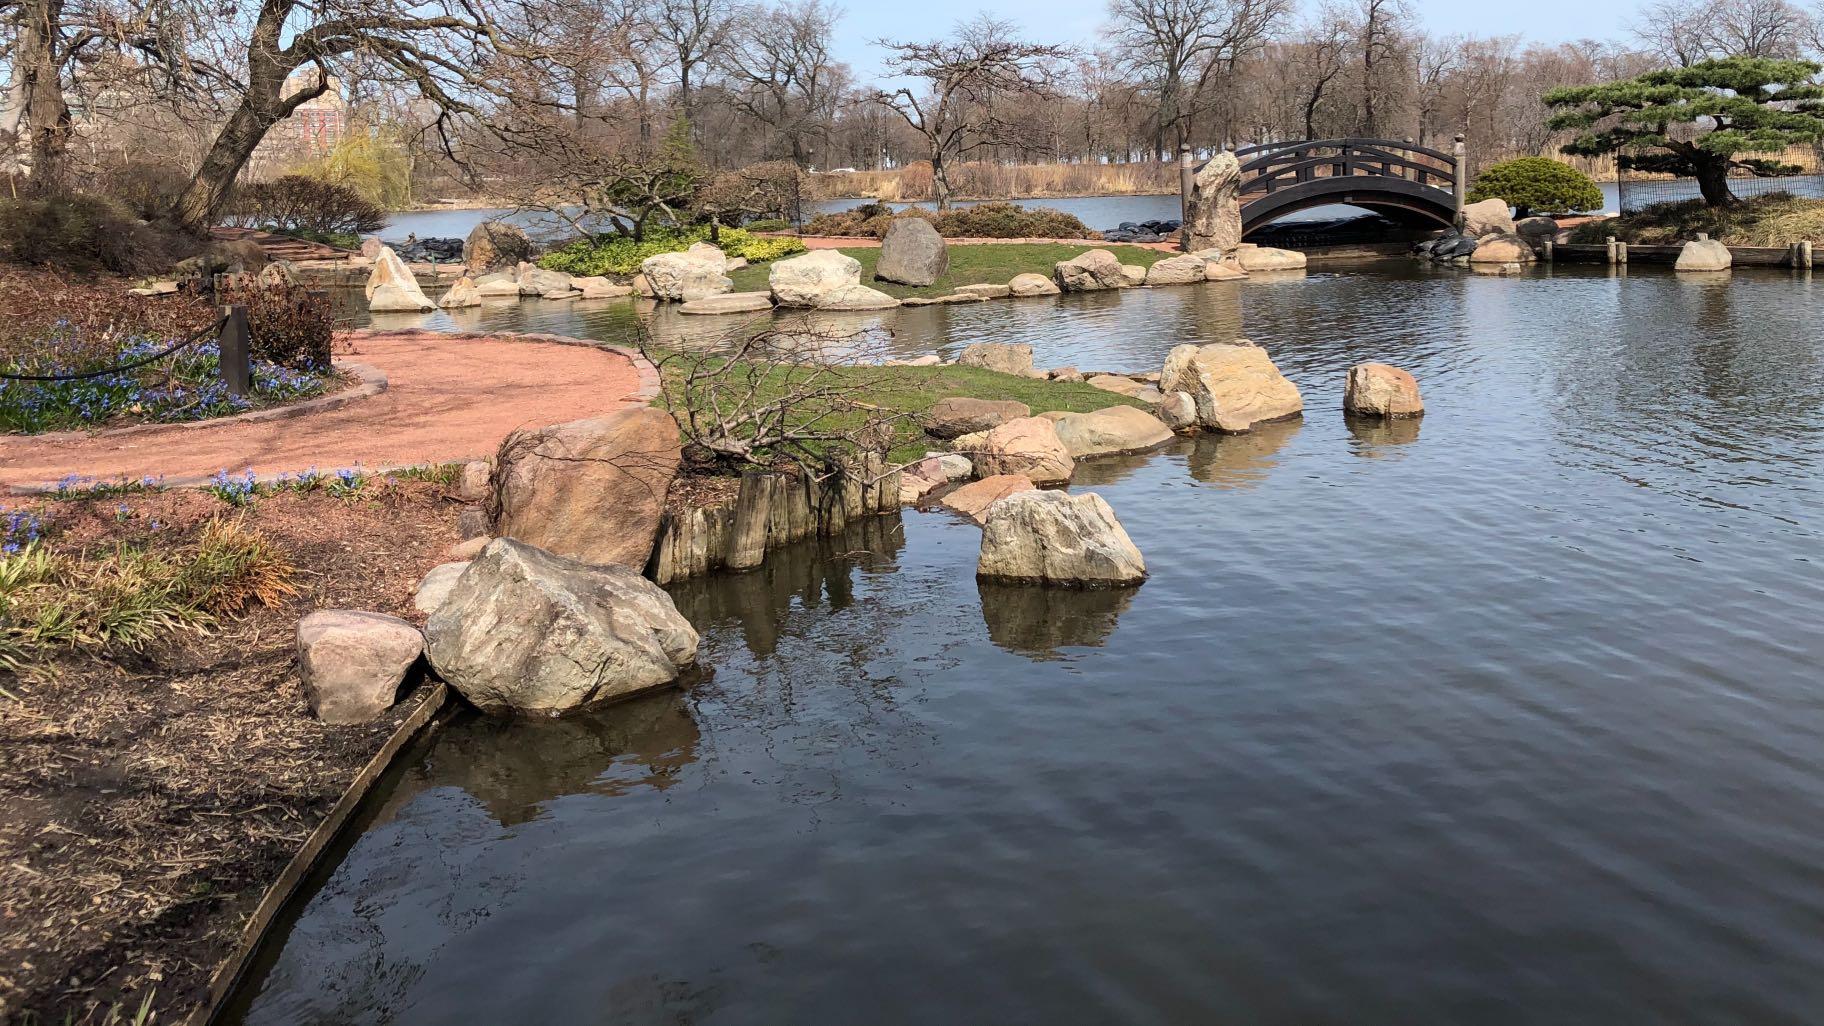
[(1051, 538)]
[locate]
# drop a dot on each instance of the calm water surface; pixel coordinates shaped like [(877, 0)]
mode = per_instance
[(1512, 715)]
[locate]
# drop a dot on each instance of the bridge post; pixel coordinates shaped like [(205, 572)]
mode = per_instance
[(1187, 183), (1460, 187)]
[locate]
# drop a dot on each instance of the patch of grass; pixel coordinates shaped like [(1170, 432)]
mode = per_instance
[(969, 265), (910, 392), (128, 595), (1776, 219), (622, 256)]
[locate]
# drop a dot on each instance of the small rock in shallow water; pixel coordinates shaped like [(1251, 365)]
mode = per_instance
[(1380, 390)]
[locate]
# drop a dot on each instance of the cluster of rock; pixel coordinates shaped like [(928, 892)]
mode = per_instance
[(1143, 231), (547, 610), (1489, 236), (438, 250)]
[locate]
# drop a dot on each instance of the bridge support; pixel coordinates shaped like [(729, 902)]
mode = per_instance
[(1187, 184), (1460, 183)]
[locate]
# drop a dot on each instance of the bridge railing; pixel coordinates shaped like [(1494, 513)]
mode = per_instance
[(1269, 167)]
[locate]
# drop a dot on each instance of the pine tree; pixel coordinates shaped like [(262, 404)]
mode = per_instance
[(1747, 104)]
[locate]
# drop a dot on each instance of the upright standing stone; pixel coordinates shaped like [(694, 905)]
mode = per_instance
[(912, 253), (1216, 204)]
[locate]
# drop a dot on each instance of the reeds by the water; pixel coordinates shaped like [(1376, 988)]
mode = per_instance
[(985, 180)]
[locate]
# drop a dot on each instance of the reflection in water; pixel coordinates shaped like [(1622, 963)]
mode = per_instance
[(1240, 461), (1037, 622), (1376, 437), (816, 572), (513, 767)]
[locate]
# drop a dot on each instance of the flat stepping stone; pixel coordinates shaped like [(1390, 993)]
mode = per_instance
[(730, 303)]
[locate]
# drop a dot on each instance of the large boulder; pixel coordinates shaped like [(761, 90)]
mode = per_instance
[(463, 293), (352, 662), (1266, 258), (1486, 218), (399, 299), (390, 270), (592, 489), (912, 253), (1216, 204), (1380, 390), (961, 415), (493, 246), (1029, 284), (1028, 446), (1704, 255), (1006, 357), (1502, 248), (1188, 269), (1234, 385), (1089, 272), (526, 631), (973, 499), (1052, 538), (1116, 429), (856, 297), (803, 281), (690, 275)]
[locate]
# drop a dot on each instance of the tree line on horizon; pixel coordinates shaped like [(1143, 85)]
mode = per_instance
[(607, 103)]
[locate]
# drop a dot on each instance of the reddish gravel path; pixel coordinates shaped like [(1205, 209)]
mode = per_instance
[(449, 397)]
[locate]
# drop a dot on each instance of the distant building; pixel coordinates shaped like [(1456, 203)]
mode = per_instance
[(318, 125)]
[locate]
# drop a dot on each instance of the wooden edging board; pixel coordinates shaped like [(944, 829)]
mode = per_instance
[(431, 709)]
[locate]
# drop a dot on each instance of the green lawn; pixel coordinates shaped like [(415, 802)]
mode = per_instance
[(969, 265), (913, 390)]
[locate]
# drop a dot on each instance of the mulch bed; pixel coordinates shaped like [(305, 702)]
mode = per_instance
[(147, 799)]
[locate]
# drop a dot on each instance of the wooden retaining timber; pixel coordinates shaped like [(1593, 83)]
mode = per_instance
[(773, 509), (1797, 255)]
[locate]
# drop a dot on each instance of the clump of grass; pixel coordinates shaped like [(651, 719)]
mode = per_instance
[(128, 596), (1776, 219)]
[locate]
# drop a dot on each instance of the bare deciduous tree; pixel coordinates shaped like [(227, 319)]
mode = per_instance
[(966, 77)]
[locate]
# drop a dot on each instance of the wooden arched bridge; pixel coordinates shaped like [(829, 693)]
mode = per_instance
[(1406, 182)]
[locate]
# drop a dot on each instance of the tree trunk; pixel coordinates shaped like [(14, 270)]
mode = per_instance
[(940, 179), (197, 208), (1712, 173), (38, 94)]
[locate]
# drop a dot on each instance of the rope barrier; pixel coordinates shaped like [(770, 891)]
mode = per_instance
[(213, 329)]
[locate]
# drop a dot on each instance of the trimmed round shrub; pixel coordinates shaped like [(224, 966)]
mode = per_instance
[(1531, 184)]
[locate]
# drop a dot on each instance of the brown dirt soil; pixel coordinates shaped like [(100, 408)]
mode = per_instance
[(449, 397), (147, 799)]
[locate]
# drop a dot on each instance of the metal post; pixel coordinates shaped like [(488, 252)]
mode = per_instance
[(236, 359), (1187, 183), (1460, 187)]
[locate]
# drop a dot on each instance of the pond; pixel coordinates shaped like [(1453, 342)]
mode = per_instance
[(1509, 715), (1098, 212)]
